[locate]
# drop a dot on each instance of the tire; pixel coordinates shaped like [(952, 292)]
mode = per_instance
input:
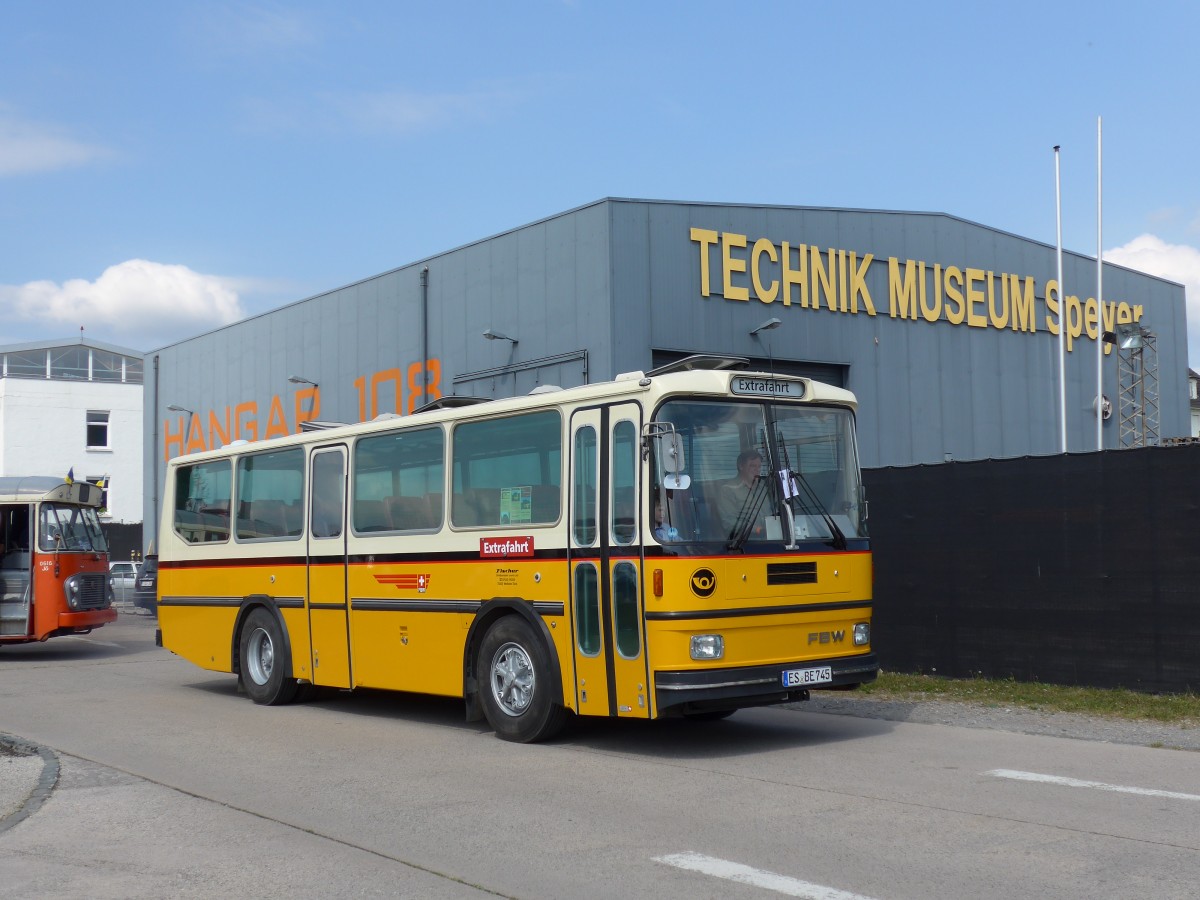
[(520, 699), (262, 665)]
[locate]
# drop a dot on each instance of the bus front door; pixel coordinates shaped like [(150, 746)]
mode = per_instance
[(606, 562), (328, 619)]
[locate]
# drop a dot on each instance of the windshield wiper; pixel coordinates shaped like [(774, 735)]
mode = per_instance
[(744, 523), (815, 505)]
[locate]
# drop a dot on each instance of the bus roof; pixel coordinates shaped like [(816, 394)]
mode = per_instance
[(714, 381), (33, 488)]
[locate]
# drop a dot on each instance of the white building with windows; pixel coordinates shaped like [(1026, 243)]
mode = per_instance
[(75, 406)]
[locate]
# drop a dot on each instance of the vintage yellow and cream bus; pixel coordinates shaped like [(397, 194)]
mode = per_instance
[(683, 542), (54, 564)]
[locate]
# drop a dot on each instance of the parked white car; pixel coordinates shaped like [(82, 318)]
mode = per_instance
[(121, 578)]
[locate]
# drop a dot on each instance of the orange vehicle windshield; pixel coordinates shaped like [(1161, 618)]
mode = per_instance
[(62, 526)]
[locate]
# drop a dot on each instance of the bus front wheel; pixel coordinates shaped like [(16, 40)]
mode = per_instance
[(262, 663), (514, 673)]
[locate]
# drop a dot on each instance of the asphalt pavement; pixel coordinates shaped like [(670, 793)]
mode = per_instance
[(73, 827)]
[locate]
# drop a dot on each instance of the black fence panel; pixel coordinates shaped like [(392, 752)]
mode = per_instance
[(123, 541), (1075, 569)]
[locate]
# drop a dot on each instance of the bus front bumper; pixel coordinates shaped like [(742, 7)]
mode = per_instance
[(88, 618), (697, 690)]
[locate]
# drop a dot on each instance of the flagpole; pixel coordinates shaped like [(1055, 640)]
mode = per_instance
[(1099, 288), (1062, 317)]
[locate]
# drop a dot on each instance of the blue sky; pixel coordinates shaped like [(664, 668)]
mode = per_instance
[(238, 156)]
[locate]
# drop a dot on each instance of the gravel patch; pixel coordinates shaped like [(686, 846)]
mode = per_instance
[(1016, 719)]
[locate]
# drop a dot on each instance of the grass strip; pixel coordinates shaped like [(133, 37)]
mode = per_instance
[(1176, 709)]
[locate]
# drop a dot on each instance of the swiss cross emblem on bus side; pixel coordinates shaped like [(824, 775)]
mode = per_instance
[(403, 582)]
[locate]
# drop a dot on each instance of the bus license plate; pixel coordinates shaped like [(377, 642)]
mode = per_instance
[(803, 677)]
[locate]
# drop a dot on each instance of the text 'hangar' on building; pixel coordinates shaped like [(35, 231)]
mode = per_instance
[(946, 330)]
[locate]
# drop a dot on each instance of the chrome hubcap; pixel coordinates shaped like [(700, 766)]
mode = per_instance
[(261, 656), (512, 679)]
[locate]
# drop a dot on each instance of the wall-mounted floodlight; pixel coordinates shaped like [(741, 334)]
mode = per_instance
[(175, 407), (1131, 336), (296, 379), (766, 326), (498, 336)]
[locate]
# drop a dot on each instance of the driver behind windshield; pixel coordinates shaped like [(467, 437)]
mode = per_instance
[(744, 496)]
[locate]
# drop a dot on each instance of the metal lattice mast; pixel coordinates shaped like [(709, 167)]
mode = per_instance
[(1138, 401)]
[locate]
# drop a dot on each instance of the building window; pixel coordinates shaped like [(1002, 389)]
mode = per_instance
[(97, 429), (70, 362), (106, 366), (28, 364)]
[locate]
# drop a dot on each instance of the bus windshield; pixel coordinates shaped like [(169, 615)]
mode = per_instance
[(760, 471), (65, 527)]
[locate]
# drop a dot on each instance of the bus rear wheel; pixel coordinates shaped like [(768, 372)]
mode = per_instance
[(515, 680), (262, 663)]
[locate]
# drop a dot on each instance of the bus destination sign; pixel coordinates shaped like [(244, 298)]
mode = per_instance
[(758, 386)]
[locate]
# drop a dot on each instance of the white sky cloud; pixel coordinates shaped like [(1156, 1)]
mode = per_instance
[(136, 304), (403, 112), (249, 30), (1177, 262), (33, 147), (398, 113)]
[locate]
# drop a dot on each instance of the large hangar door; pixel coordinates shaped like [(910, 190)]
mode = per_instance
[(829, 373)]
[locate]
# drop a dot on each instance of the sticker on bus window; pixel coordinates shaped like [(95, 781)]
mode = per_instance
[(516, 505), (505, 547)]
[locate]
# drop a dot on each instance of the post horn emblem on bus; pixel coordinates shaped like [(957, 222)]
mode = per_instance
[(704, 582)]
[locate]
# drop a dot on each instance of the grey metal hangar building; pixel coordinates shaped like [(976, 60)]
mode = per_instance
[(946, 330)]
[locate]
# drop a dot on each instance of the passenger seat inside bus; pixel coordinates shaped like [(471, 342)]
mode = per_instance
[(270, 518), (411, 513)]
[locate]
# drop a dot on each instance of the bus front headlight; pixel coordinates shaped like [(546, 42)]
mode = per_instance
[(862, 634), (71, 589), (708, 646)]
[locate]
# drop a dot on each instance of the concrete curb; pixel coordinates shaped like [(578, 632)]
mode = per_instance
[(28, 775)]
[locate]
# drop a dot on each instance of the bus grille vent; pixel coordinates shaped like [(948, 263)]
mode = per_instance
[(92, 593), (792, 573)]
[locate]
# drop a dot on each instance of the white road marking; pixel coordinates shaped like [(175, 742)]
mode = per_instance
[(731, 871), (1095, 785)]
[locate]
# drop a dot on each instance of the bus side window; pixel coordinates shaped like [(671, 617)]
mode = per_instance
[(506, 471), (202, 502), (270, 488), (624, 468), (398, 480)]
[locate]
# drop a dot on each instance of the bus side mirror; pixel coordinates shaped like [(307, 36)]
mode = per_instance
[(673, 462), (670, 454)]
